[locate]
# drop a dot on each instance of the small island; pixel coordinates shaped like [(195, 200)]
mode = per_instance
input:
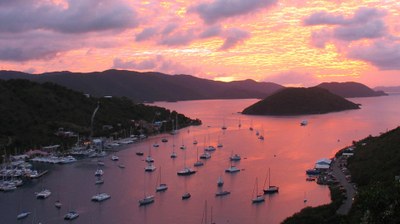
[(299, 101)]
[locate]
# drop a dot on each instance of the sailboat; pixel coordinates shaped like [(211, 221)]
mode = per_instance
[(219, 145), (161, 186), (186, 195), (271, 189), (259, 197), (149, 159), (186, 171), (220, 182), (251, 125), (147, 199), (173, 154), (198, 162), (223, 126), (175, 130)]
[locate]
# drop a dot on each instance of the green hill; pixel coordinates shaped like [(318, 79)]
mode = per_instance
[(296, 101), (31, 114)]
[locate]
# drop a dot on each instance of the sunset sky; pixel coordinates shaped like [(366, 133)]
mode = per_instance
[(290, 42)]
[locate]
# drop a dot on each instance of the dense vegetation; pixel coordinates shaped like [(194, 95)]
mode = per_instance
[(350, 89), (150, 86), (32, 113), (296, 101), (375, 168)]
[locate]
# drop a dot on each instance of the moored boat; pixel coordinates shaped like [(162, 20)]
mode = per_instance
[(71, 215), (100, 197)]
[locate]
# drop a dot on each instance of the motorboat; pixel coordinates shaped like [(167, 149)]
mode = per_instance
[(205, 155), (222, 193), (232, 169), (150, 167), (45, 193), (100, 197), (186, 195), (71, 215), (198, 163), (99, 172), (164, 140), (57, 204), (186, 172), (173, 155), (235, 157), (162, 187), (139, 153), (99, 181), (303, 123), (146, 200), (114, 158), (23, 215), (209, 148), (149, 159)]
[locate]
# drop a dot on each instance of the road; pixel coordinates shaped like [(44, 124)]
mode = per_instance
[(350, 191)]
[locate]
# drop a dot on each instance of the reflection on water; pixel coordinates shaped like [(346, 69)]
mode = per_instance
[(288, 150)]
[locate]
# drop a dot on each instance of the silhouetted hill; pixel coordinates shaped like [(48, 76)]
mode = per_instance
[(296, 101), (31, 113), (150, 86), (350, 89)]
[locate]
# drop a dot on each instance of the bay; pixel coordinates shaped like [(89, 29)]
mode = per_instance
[(288, 150)]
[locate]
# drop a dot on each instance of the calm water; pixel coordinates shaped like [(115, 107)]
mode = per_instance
[(288, 150)]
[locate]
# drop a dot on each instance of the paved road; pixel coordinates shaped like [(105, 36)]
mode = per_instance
[(350, 191)]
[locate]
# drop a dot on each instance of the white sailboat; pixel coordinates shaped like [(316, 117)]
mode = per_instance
[(161, 186), (149, 159), (173, 154), (220, 181), (258, 197), (198, 162), (271, 188), (147, 199), (186, 171)]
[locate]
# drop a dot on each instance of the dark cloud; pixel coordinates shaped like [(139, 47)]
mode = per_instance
[(323, 18), (370, 30), (178, 38), (222, 9), (366, 23), (233, 38), (212, 31), (146, 34), (384, 54), (361, 16), (77, 17)]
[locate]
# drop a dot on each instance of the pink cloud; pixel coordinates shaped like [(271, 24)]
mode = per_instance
[(156, 63)]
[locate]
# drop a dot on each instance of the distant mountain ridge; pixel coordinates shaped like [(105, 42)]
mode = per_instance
[(150, 86), (298, 101), (388, 89), (350, 89)]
